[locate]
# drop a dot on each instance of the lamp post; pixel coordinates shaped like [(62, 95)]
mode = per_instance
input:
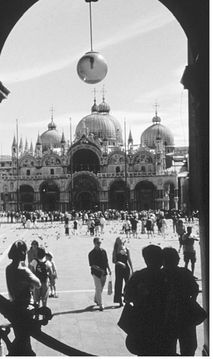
[(91, 67)]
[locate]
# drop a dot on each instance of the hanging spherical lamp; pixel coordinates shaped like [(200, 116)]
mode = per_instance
[(91, 67)]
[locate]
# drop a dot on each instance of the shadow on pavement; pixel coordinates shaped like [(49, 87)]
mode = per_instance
[(91, 308)]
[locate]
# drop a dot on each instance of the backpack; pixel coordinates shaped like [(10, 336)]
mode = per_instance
[(41, 271)]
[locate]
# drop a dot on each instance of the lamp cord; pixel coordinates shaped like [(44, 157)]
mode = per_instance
[(90, 21)]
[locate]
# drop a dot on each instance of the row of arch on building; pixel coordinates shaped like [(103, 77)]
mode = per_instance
[(84, 192)]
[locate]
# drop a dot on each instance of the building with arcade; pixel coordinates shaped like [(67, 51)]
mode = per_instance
[(98, 170)]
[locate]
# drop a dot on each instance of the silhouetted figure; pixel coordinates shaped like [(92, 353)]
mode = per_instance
[(20, 282), (180, 289), (145, 290)]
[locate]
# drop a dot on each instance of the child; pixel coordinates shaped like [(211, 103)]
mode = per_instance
[(53, 276)]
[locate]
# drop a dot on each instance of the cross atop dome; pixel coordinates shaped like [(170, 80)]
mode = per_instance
[(103, 107), (51, 125), (156, 105), (94, 107), (156, 119), (103, 93)]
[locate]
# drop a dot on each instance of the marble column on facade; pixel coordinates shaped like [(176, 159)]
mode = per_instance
[(159, 198), (103, 200), (176, 198), (37, 200), (166, 201)]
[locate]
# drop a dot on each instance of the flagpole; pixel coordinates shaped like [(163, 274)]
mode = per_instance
[(71, 166), (17, 164), (125, 167)]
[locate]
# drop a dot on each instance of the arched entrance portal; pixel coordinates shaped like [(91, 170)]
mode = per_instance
[(49, 194), (85, 193), (119, 195), (145, 195), (85, 160), (26, 198)]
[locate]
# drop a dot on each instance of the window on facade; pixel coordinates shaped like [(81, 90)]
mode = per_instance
[(143, 169), (52, 171), (28, 172), (117, 169)]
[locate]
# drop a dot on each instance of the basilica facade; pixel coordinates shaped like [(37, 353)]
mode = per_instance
[(97, 171)]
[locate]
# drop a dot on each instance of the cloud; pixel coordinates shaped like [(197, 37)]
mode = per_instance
[(143, 26)]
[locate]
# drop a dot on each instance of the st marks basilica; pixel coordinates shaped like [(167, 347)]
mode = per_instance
[(98, 170)]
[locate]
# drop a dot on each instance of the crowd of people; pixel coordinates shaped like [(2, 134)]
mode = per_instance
[(154, 291)]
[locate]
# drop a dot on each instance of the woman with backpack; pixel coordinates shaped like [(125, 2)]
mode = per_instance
[(42, 268)]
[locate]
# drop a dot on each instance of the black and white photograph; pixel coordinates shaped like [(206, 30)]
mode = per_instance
[(104, 178)]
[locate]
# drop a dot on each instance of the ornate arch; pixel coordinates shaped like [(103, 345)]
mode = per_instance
[(27, 160), (51, 159)]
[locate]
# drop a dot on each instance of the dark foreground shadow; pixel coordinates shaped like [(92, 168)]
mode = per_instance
[(91, 308), (25, 325)]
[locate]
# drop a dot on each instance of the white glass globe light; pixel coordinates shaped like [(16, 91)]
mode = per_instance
[(92, 67)]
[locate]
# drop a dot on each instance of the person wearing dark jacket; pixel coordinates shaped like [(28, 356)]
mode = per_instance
[(99, 265)]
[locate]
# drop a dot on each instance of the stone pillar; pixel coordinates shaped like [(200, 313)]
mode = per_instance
[(159, 201), (176, 197), (196, 80), (166, 202)]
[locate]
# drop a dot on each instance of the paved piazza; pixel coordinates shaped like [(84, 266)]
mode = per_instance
[(76, 322)]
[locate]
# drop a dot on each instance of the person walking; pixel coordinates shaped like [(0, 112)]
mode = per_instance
[(99, 265), (20, 282), (181, 291), (149, 226), (189, 253), (123, 268), (53, 276), (180, 230), (66, 225)]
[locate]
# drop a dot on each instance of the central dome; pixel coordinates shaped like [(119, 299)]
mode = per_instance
[(98, 124), (101, 124)]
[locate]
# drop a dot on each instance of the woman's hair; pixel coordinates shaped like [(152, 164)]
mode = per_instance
[(41, 253), (117, 243), (18, 251)]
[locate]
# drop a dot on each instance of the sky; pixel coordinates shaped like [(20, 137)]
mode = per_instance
[(145, 49)]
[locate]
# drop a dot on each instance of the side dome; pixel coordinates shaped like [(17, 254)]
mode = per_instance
[(50, 138), (156, 131), (99, 125)]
